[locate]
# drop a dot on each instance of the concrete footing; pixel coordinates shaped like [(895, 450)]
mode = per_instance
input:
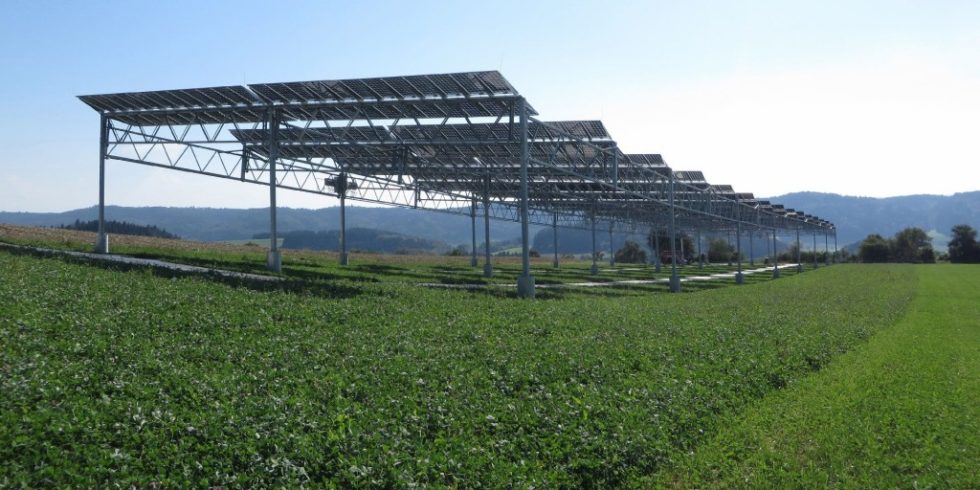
[(273, 261), (739, 278), (487, 270), (525, 286), (102, 244), (675, 283), (344, 259)]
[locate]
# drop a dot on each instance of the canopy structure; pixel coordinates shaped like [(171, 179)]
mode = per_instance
[(450, 142)]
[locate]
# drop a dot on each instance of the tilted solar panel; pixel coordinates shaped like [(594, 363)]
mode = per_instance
[(229, 96)]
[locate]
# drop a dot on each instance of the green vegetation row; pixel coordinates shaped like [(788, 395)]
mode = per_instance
[(319, 270), (126, 378)]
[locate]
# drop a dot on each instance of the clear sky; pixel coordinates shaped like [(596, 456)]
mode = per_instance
[(872, 98)]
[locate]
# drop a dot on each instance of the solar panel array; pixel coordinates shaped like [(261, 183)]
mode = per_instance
[(454, 135)]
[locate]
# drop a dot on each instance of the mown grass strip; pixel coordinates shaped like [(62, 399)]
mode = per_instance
[(902, 411)]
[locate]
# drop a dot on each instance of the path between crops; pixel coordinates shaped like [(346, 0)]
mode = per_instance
[(625, 282), (140, 262), (193, 269)]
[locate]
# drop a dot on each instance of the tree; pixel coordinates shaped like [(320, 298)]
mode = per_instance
[(963, 248), (631, 253), (912, 245), (719, 250), (874, 248), (684, 243)]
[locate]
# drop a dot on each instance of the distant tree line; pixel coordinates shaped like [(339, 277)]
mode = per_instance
[(631, 253), (909, 245), (963, 248), (121, 228)]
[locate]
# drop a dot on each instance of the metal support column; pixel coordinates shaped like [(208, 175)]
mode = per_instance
[(739, 277), (273, 260), (525, 283), (342, 191), (799, 259), (675, 280), (612, 249), (683, 244), (102, 240), (595, 253), (700, 251), (473, 260), (816, 264), (487, 264), (728, 234), (656, 246), (826, 248), (615, 181), (554, 233), (775, 256), (751, 250), (836, 258)]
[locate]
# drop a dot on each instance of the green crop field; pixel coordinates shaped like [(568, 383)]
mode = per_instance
[(359, 377)]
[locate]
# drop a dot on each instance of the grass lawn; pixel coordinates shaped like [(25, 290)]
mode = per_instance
[(901, 411)]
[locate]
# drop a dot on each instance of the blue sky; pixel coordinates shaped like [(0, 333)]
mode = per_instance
[(875, 98)]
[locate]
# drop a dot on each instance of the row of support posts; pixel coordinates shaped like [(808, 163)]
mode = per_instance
[(525, 286)]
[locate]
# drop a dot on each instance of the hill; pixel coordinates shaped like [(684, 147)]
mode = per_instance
[(856, 217), (214, 224)]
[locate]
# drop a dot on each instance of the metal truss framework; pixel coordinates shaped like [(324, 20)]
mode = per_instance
[(454, 142)]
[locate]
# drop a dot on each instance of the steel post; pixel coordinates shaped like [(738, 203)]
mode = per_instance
[(739, 277), (775, 256), (525, 283), (554, 233), (343, 228), (700, 251), (728, 235), (835, 247), (656, 245), (487, 264), (612, 249), (751, 250), (102, 239), (595, 252), (799, 259), (615, 179), (274, 257), (675, 280), (815, 263), (826, 248), (473, 260)]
